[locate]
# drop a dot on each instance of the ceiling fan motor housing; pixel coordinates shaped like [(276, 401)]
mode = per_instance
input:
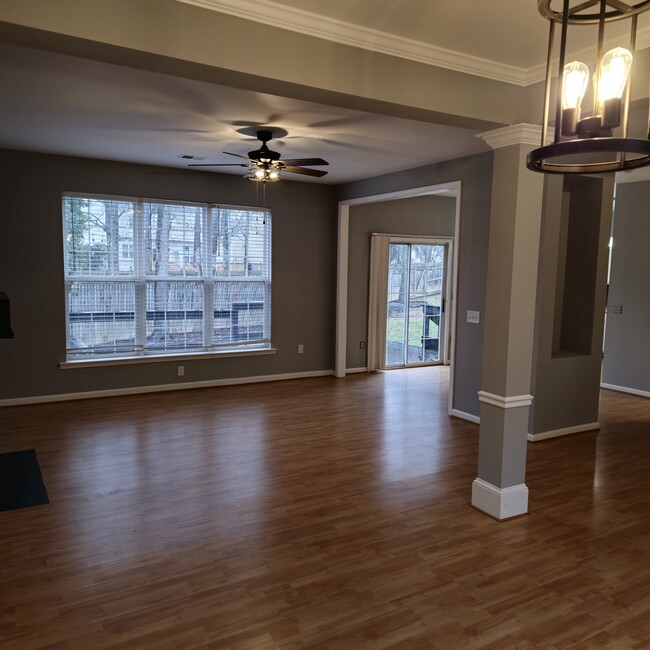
[(264, 153)]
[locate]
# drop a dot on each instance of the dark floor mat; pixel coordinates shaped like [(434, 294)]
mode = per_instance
[(21, 483)]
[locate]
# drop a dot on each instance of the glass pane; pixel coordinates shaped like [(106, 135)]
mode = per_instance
[(433, 299), (101, 318), (173, 237), (415, 332), (239, 312), (240, 243), (397, 304), (174, 315), (99, 236)]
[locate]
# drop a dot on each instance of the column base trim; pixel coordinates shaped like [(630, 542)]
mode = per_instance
[(567, 431), (499, 503)]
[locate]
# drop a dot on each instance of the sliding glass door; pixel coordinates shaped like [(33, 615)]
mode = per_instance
[(415, 322)]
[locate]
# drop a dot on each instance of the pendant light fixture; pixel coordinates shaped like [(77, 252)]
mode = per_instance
[(584, 141)]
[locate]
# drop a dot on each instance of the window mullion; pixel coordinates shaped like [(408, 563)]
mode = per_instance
[(140, 282), (208, 281), (267, 274)]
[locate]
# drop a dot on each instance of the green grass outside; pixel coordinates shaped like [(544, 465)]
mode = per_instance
[(395, 330)]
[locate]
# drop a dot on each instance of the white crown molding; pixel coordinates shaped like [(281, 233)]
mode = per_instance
[(330, 29), (500, 503), (516, 134), (511, 402)]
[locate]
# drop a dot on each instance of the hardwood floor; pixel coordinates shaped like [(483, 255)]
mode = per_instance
[(319, 513)]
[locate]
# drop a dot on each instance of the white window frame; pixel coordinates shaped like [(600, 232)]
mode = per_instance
[(140, 278)]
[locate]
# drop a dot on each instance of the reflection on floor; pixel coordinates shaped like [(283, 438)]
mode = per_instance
[(319, 513)]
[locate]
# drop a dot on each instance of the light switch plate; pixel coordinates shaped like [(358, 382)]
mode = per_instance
[(473, 316), (617, 309)]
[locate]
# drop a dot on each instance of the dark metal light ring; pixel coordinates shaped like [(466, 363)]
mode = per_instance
[(544, 7), (537, 160)]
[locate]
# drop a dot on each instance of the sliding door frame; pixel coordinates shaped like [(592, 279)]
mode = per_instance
[(445, 320)]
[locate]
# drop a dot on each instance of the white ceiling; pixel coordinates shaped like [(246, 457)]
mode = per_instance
[(66, 105)]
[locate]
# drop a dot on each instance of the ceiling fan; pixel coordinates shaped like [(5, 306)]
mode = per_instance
[(265, 165)]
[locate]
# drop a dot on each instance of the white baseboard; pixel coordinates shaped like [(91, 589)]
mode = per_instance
[(114, 392), (557, 433), (352, 371), (625, 389), (500, 503), (465, 416)]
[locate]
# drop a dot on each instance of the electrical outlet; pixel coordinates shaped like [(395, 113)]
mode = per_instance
[(473, 316), (362, 344), (301, 348), (181, 371)]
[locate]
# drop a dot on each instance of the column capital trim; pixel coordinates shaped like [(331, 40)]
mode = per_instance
[(506, 136), (514, 401)]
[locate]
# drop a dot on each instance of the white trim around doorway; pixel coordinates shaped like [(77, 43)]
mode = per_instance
[(454, 189)]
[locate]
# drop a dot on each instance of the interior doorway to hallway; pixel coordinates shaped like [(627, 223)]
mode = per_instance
[(416, 318)]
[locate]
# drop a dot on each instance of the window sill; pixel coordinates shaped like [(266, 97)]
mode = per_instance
[(188, 356)]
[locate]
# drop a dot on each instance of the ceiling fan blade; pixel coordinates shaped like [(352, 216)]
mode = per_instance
[(304, 161), (217, 165), (236, 154), (306, 172)]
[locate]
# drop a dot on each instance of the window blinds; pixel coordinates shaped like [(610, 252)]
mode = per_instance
[(151, 277)]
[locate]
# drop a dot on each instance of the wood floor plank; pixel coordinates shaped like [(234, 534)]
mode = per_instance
[(321, 513)]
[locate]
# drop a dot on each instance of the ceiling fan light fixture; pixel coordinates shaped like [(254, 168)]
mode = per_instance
[(264, 165), (264, 173), (591, 135)]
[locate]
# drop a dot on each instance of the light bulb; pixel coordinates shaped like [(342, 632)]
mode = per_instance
[(274, 175), (576, 78), (612, 77), (259, 173), (614, 71)]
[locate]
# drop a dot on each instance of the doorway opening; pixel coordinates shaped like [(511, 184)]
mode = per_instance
[(415, 315), (341, 367)]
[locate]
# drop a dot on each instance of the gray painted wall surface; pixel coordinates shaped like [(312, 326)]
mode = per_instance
[(627, 338), (475, 173), (31, 271), (423, 215), (566, 385)]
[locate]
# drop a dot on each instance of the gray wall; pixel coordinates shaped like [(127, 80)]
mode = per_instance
[(31, 271), (423, 215), (475, 173), (566, 374), (627, 338)]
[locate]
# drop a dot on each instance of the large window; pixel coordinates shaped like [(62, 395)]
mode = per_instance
[(147, 277)]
